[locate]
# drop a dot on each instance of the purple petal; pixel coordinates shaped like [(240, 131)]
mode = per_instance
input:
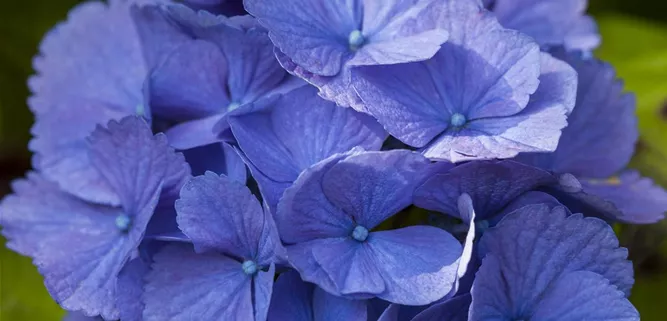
[(220, 214), (86, 59), (491, 185), (297, 300), (287, 137), (312, 33), (399, 31), (332, 88), (373, 186), (454, 309), (130, 289), (584, 295), (190, 82), (194, 133), (328, 307), (159, 35), (61, 152), (536, 245), (38, 210), (535, 129), (201, 286), (638, 198), (135, 163), (602, 130), (418, 263), (81, 273), (350, 265), (417, 102), (551, 23), (305, 213), (292, 298)]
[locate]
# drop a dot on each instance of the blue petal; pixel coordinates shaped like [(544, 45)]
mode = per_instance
[(292, 298), (134, 163), (85, 59), (356, 183), (534, 129), (312, 33), (584, 295), (454, 309), (130, 289), (190, 82), (61, 152), (286, 136), (423, 104), (297, 300), (491, 185), (602, 129), (532, 248), (97, 39), (551, 23), (418, 264), (220, 214), (305, 213), (627, 198), (38, 210), (197, 286)]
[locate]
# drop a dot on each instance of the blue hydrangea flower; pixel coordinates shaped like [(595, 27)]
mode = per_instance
[(550, 23), (204, 66), (543, 264), (296, 300), (285, 135), (478, 97), (229, 274), (320, 40), (81, 247), (83, 80), (327, 219), (595, 148)]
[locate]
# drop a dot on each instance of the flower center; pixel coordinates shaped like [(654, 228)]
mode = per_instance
[(123, 222), (355, 40), (458, 120), (249, 267), (140, 110), (360, 233), (233, 105)]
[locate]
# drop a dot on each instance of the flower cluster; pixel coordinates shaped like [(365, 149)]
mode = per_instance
[(320, 160)]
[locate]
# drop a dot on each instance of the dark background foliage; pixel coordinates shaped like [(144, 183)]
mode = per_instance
[(634, 40)]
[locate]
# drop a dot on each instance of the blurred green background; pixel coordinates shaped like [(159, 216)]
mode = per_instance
[(634, 41)]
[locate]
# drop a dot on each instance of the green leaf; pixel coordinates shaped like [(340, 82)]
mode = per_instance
[(22, 292)]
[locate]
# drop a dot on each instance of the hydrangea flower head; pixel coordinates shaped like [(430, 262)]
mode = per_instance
[(444, 193)]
